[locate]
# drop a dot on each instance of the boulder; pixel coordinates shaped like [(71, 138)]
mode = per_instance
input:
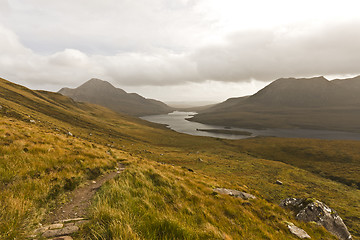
[(311, 210), (234, 193), (300, 233)]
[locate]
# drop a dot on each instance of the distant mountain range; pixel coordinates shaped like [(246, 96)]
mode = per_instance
[(103, 93), (314, 103)]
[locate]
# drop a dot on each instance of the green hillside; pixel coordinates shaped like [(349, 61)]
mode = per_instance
[(50, 145), (314, 103)]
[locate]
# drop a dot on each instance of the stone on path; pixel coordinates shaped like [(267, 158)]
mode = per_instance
[(62, 238), (60, 232)]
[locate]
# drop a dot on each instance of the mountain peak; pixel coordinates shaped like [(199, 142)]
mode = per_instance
[(95, 82), (101, 92)]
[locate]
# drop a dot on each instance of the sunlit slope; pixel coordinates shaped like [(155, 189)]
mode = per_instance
[(39, 154), (160, 201)]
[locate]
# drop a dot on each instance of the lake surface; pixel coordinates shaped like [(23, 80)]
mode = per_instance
[(177, 122)]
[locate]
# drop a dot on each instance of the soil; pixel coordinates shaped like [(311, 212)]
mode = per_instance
[(80, 199)]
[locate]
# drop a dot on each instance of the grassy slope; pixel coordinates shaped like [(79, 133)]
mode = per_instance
[(159, 201), (226, 163), (249, 116)]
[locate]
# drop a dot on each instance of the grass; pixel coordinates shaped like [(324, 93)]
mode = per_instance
[(156, 201), (335, 160), (258, 117), (226, 131), (40, 163), (38, 168)]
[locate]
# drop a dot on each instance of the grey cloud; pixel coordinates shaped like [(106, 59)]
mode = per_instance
[(297, 51), (105, 27), (71, 67), (155, 69)]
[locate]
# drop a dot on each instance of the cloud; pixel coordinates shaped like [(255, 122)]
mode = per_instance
[(294, 51), (71, 67), (298, 51), (106, 27)]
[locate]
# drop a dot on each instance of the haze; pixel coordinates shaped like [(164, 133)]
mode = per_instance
[(177, 50)]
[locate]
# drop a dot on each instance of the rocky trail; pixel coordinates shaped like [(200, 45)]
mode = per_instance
[(66, 219)]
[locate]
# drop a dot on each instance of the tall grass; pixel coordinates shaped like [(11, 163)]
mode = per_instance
[(155, 201), (37, 169)]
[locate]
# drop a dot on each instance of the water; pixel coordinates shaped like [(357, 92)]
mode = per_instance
[(177, 122)]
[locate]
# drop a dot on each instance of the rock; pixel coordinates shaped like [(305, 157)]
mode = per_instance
[(62, 238), (60, 232), (56, 226), (189, 169), (278, 182), (48, 227), (310, 210), (300, 233), (234, 193), (72, 220), (32, 121)]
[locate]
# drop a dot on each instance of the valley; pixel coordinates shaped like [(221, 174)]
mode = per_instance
[(51, 145)]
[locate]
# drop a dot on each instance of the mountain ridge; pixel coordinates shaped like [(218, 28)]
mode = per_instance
[(313, 103), (103, 93)]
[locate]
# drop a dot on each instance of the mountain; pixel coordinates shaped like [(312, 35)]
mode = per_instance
[(314, 103), (307, 93), (52, 146), (103, 93)]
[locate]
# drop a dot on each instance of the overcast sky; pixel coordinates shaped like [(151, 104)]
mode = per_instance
[(177, 50)]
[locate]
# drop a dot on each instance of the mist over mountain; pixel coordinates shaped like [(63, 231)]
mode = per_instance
[(103, 93), (314, 103)]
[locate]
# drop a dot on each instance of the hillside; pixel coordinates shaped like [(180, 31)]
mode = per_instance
[(314, 103), (103, 93), (51, 145)]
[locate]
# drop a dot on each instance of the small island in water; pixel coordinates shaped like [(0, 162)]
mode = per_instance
[(226, 131)]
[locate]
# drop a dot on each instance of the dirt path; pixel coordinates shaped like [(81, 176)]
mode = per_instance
[(80, 199)]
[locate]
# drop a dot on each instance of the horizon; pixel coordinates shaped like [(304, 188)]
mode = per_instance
[(196, 51)]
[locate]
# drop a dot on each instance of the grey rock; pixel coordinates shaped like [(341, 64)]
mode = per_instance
[(48, 227), (234, 193), (60, 232), (279, 182), (63, 238), (309, 210), (300, 233)]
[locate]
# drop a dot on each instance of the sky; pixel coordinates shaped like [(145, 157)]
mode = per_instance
[(177, 50)]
